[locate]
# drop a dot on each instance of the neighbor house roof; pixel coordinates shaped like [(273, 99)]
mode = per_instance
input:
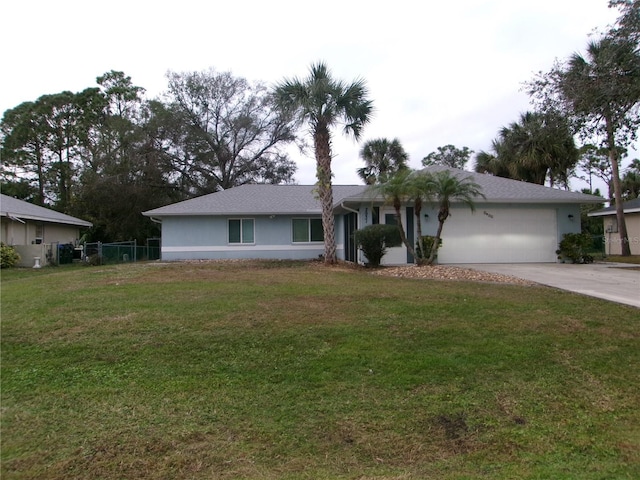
[(20, 210), (262, 199), (632, 206), (506, 190), (256, 199)]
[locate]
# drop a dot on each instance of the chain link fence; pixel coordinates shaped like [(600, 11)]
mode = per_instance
[(99, 253)]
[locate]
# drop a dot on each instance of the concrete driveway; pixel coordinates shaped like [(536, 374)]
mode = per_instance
[(618, 282)]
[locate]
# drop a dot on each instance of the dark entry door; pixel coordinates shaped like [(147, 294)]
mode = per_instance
[(350, 226)]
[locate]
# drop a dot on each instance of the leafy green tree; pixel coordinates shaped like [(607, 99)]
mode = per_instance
[(601, 90), (446, 188), (322, 102), (630, 184), (23, 148), (628, 23), (89, 154), (123, 172), (20, 189), (383, 158), (594, 162), (448, 156), (222, 131), (41, 143), (591, 225)]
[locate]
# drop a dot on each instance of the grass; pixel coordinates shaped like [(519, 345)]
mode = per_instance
[(288, 370)]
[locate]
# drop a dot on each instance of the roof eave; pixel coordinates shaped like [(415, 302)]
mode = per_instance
[(603, 213), (37, 218)]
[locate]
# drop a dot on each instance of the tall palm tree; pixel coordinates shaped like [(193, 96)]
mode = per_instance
[(447, 188), (322, 102), (604, 86), (537, 146), (383, 158)]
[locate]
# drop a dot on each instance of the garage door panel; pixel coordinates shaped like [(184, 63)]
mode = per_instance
[(499, 236)]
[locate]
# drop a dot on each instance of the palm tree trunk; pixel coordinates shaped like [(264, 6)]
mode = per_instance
[(397, 206), (625, 248), (442, 217), (436, 244), (322, 140), (419, 256)]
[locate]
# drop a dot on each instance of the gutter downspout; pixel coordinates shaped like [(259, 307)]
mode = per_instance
[(348, 209)]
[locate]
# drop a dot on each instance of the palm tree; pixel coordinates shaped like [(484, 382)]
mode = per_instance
[(492, 163), (407, 186), (396, 191), (447, 187), (537, 146), (383, 158), (321, 101), (421, 187), (605, 86)]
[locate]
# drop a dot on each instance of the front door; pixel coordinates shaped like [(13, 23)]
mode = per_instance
[(350, 226)]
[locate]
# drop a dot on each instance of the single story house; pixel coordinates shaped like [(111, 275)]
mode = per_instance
[(631, 210), (32, 229), (516, 222)]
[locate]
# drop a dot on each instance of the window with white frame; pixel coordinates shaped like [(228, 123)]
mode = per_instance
[(241, 230), (39, 234), (307, 230)]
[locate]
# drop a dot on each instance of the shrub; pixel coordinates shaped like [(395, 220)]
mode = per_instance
[(426, 244), (8, 256), (374, 240), (575, 246)]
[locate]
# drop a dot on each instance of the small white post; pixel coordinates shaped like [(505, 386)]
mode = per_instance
[(37, 262)]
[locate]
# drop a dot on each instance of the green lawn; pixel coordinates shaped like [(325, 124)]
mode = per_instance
[(297, 371)]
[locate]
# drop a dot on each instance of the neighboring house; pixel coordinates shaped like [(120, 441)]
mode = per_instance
[(516, 222), (631, 210), (33, 229)]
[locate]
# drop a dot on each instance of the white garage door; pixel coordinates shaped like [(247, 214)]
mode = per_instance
[(494, 235)]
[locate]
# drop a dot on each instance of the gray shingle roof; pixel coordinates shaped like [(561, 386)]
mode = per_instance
[(505, 190), (627, 207), (257, 200), (12, 207), (301, 199)]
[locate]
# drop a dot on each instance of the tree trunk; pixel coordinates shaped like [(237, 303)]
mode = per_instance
[(617, 192), (397, 206), (322, 140), (419, 256), (442, 217)]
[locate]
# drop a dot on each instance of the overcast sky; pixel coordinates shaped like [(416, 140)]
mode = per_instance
[(438, 72)]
